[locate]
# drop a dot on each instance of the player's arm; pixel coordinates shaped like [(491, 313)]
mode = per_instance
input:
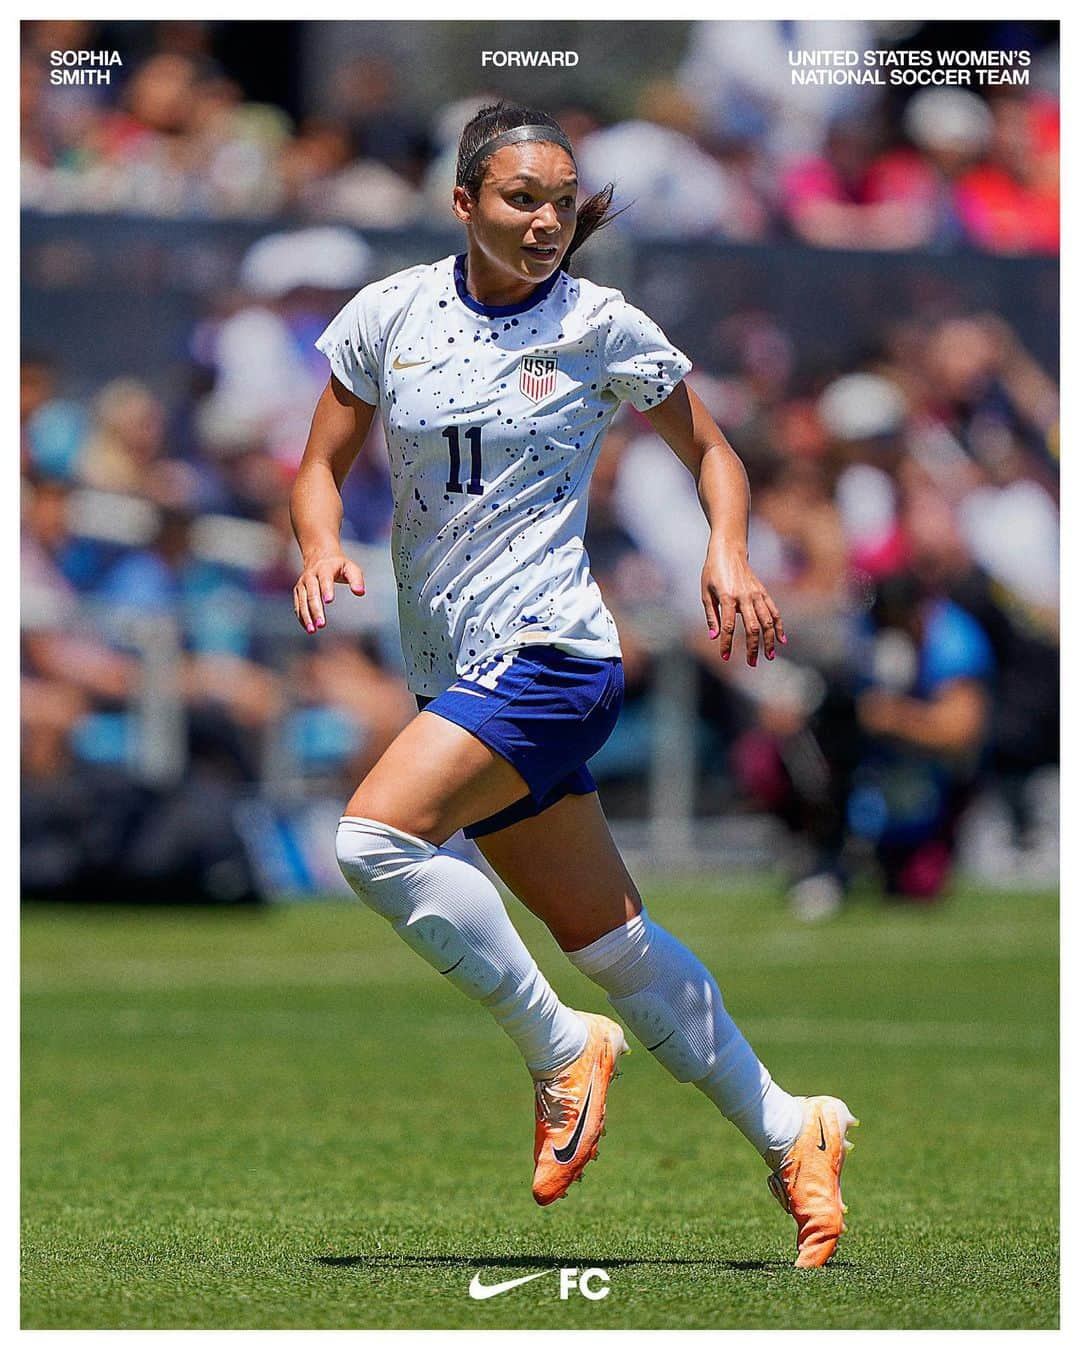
[(729, 585), (338, 429)]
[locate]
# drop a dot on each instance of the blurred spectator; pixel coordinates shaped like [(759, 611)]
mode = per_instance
[(866, 416), (181, 142), (329, 185), (346, 676), (921, 702), (853, 195), (54, 558), (1025, 722), (319, 150), (980, 382), (52, 430), (674, 539), (166, 577), (127, 439), (739, 73), (266, 373), (949, 130), (795, 503), (926, 714), (1010, 203), (672, 186), (381, 124)]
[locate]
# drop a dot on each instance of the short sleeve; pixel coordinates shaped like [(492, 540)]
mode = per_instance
[(641, 365), (349, 343)]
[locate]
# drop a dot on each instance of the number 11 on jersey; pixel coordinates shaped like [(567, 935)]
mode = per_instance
[(453, 483)]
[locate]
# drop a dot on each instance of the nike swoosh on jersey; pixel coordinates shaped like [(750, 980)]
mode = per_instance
[(399, 364), (477, 1289), (566, 1153)]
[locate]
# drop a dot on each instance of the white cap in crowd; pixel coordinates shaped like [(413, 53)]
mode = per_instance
[(330, 258), (861, 406)]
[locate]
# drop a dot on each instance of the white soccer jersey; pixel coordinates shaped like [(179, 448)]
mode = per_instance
[(493, 418)]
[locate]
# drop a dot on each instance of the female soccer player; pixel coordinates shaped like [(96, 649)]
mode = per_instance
[(496, 374)]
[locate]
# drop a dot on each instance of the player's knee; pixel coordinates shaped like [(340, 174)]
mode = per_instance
[(573, 931), (379, 862), (373, 803), (396, 875)]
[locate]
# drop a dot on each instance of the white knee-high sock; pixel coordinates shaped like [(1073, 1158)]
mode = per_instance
[(673, 1005), (452, 915)]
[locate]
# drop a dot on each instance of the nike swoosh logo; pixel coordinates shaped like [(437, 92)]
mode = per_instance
[(457, 689), (566, 1153), (821, 1127), (399, 364), (478, 1289)]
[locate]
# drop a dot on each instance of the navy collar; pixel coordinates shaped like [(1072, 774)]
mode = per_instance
[(535, 296)]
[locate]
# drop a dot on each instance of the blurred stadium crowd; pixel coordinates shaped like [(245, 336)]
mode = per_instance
[(723, 146), (905, 504)]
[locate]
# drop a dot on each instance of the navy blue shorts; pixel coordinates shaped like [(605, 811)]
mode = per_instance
[(546, 711)]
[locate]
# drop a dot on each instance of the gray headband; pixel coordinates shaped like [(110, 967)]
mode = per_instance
[(515, 136)]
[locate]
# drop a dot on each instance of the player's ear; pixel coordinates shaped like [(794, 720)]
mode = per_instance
[(463, 205)]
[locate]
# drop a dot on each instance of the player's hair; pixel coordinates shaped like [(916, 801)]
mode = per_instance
[(489, 123)]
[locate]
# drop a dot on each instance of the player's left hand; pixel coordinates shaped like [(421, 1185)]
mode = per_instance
[(730, 587)]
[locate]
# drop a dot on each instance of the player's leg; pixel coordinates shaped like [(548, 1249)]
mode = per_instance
[(435, 777), (564, 866)]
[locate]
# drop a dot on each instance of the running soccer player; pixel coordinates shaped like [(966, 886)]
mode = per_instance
[(496, 374)]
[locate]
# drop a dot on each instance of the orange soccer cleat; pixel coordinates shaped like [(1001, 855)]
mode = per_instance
[(807, 1182), (570, 1110)]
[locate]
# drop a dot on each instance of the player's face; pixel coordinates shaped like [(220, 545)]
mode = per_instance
[(523, 220)]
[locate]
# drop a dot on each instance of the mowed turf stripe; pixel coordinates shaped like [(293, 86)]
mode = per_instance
[(993, 945), (274, 1022)]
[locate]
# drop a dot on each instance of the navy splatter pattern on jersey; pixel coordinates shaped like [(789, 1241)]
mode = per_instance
[(494, 417)]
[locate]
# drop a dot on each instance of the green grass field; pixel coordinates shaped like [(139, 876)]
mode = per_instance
[(287, 1120)]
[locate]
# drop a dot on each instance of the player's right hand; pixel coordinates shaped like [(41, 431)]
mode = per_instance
[(315, 588)]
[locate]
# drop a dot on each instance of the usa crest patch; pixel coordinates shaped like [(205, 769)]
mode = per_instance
[(538, 376)]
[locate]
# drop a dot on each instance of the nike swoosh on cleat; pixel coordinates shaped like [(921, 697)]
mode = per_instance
[(399, 364), (566, 1153), (821, 1127), (479, 1290)]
